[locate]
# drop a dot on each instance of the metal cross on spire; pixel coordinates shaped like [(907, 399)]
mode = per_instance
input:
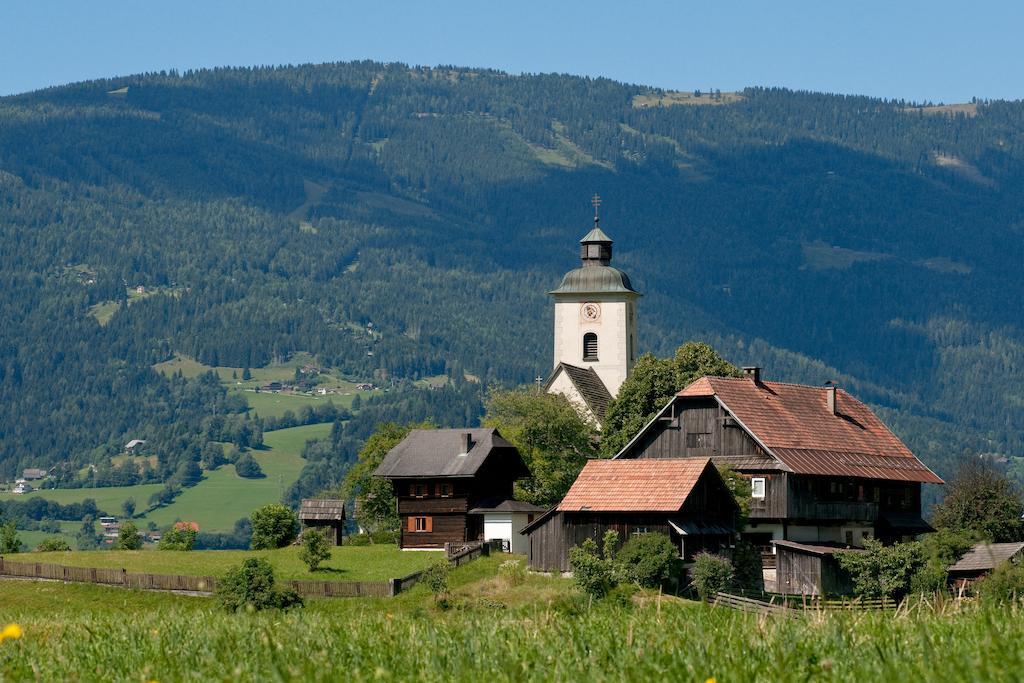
[(596, 201)]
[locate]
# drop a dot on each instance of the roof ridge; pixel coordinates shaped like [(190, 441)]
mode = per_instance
[(769, 381)]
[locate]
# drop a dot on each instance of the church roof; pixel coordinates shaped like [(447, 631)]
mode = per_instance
[(595, 280), (596, 235), (595, 394)]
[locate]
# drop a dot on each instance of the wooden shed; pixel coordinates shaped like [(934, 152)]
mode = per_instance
[(811, 569), (981, 559), (327, 514), (685, 500)]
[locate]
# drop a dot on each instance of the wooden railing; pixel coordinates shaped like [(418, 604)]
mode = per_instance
[(457, 556), (178, 582), (760, 601)]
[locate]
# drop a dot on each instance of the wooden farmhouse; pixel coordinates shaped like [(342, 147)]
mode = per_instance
[(441, 475), (326, 514), (684, 499), (822, 467)]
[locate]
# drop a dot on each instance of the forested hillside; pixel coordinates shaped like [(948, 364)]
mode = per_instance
[(270, 211)]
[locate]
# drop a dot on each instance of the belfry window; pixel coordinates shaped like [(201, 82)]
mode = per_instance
[(590, 346)]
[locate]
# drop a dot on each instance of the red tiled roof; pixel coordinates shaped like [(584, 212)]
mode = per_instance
[(794, 423), (633, 485)]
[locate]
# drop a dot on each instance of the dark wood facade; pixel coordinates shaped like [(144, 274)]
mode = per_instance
[(435, 511), (810, 570), (439, 475), (706, 521), (701, 428)]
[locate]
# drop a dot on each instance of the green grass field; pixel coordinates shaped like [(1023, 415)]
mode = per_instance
[(362, 563), (108, 499), (215, 503), (536, 631), (223, 497), (269, 404)]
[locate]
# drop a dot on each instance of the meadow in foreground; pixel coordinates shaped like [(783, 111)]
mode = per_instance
[(539, 630)]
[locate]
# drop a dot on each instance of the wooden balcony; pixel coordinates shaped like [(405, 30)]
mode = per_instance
[(833, 510), (432, 505)]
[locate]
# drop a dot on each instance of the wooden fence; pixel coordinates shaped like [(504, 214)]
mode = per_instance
[(177, 582), (768, 603)]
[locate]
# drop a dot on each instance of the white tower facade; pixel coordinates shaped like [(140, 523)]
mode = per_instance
[(595, 315)]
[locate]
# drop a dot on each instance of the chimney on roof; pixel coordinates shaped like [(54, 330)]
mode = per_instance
[(465, 443), (830, 397), (752, 372)]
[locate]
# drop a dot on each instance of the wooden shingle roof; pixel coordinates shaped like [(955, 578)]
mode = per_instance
[(633, 485), (437, 453), (322, 509), (986, 556), (794, 423), (586, 380)]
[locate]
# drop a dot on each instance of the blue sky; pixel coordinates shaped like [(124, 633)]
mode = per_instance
[(938, 50)]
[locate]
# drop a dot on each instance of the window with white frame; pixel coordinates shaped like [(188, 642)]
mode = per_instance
[(757, 487)]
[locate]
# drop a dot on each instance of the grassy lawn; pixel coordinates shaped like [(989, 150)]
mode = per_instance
[(363, 563), (223, 497), (108, 499), (538, 630)]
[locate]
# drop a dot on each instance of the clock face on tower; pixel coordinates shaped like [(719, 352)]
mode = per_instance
[(590, 311)]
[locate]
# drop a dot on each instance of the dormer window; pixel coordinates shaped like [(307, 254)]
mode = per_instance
[(590, 346)]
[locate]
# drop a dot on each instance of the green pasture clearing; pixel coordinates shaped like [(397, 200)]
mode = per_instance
[(223, 497), (670, 98), (539, 630), (347, 563), (105, 310), (270, 404), (108, 499), (265, 403)]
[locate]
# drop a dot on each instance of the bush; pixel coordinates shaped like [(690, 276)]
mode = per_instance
[(181, 536), (53, 545), (273, 526), (512, 572), (246, 466), (711, 574), (315, 548), (128, 537), (649, 560), (939, 551), (250, 586), (9, 541), (746, 562), (435, 578), (882, 571), (358, 540), (592, 574), (1005, 583)]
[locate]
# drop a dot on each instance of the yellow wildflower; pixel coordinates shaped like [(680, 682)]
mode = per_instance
[(10, 631), (711, 680)]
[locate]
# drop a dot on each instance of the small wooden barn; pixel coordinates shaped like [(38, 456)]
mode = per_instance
[(810, 569), (327, 514), (982, 559), (684, 499)]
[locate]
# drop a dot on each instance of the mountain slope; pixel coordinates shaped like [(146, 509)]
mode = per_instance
[(274, 210)]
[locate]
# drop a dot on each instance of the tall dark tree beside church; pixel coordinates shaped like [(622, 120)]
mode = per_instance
[(554, 440)]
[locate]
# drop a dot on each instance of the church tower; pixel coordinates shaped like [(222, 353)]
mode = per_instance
[(595, 326)]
